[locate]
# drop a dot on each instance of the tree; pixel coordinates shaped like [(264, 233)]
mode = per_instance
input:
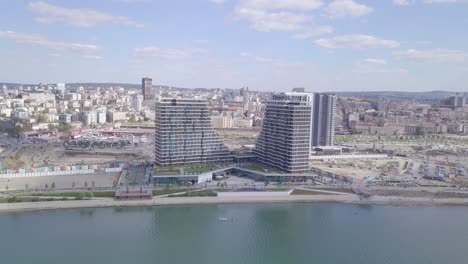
[(46, 186), (73, 184), (42, 119), (420, 130), (16, 131), (132, 118), (51, 127), (52, 185), (86, 184), (27, 127), (64, 127), (3, 115)]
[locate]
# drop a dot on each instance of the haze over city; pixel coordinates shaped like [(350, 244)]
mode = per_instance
[(332, 46), (234, 131)]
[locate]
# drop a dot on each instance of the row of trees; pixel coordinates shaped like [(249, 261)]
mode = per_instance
[(53, 186)]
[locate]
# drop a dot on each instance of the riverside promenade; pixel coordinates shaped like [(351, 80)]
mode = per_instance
[(161, 201)]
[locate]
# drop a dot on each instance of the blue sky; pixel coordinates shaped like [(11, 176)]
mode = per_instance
[(269, 45)]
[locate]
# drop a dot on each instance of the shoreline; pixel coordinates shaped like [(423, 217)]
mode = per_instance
[(158, 201)]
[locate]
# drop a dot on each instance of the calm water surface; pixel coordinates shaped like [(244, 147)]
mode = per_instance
[(277, 233)]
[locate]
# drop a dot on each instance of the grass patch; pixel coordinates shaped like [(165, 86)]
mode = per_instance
[(198, 170), (77, 194), (278, 190), (167, 171), (204, 193), (342, 190), (167, 191), (19, 199), (308, 192), (104, 194), (255, 168)]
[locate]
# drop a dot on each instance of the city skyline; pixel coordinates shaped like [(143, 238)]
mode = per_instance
[(325, 46)]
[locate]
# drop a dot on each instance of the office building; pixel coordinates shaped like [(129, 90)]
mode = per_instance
[(65, 118), (60, 89), (219, 122), (101, 117), (184, 133), (114, 116), (284, 142), (89, 118), (458, 100), (323, 126), (147, 88), (137, 102), (5, 90)]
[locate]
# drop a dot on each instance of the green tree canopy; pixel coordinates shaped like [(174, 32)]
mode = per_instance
[(420, 130)]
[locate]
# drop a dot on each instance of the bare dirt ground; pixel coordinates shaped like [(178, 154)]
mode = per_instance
[(33, 156), (235, 138), (99, 180), (38, 156), (359, 169)]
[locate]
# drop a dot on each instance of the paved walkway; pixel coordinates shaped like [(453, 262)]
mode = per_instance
[(343, 198)]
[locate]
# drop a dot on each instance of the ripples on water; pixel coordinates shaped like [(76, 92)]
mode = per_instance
[(276, 233)]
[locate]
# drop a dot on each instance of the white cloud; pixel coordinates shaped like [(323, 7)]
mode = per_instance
[(375, 61), (356, 42), (372, 65), (444, 1), (270, 61), (132, 1), (77, 17), (281, 4), (408, 2), (92, 57), (255, 57), (218, 1), (313, 32), (41, 41), (266, 21), (433, 55), (402, 2), (347, 8), (276, 15), (162, 53)]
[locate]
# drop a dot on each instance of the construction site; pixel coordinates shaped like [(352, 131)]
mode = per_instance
[(440, 159), (86, 147)]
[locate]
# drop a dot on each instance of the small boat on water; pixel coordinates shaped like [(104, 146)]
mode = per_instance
[(222, 219)]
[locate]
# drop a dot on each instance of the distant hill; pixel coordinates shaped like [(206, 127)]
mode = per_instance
[(105, 85), (433, 96), (124, 85)]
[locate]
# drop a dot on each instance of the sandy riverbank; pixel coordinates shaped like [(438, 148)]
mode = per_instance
[(348, 199)]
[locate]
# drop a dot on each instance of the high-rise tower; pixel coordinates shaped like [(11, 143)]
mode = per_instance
[(184, 133), (284, 142), (147, 88), (323, 127)]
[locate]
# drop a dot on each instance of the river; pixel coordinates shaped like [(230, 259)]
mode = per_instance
[(253, 233)]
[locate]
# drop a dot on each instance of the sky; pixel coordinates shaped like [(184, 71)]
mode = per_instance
[(266, 45)]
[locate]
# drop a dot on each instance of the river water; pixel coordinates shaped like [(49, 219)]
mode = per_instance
[(253, 233)]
